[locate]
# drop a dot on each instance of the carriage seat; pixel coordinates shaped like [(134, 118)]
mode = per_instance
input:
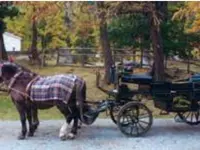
[(195, 78), (137, 78)]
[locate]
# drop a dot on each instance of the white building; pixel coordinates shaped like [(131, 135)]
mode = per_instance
[(12, 42)]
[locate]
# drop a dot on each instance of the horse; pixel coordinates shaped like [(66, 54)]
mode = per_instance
[(20, 81)]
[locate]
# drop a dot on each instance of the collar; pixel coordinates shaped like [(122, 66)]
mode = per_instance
[(13, 79)]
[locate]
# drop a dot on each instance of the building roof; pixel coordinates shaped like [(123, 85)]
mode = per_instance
[(12, 35)]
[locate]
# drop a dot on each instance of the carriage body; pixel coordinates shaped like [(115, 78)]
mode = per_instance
[(181, 98), (169, 96), (176, 97)]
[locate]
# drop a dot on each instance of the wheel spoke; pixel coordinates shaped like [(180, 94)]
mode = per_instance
[(188, 115), (137, 131), (132, 129), (197, 116), (143, 116), (141, 126), (191, 116), (144, 122)]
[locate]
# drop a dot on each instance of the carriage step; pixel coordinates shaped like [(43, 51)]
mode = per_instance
[(164, 112), (178, 119)]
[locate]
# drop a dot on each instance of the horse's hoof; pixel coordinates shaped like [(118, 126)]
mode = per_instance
[(71, 136), (21, 137), (79, 125), (63, 138), (35, 127), (30, 134)]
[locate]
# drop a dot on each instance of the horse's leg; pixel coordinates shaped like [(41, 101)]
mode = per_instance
[(35, 117), (22, 112), (29, 117), (79, 124), (63, 131), (74, 128), (64, 128)]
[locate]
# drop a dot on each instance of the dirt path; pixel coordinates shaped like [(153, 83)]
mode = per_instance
[(165, 134)]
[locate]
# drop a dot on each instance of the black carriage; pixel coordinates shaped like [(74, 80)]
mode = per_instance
[(133, 117)]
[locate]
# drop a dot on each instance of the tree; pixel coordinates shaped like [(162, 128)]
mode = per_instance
[(105, 45), (81, 24), (124, 31), (130, 31), (155, 11), (50, 27), (84, 27), (190, 12), (155, 17), (6, 9), (36, 12)]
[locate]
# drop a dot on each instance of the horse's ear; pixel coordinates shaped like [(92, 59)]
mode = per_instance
[(10, 59), (1, 65)]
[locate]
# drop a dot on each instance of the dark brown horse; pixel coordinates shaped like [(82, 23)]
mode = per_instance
[(17, 78)]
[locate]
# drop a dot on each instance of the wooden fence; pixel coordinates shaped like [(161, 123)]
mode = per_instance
[(65, 56)]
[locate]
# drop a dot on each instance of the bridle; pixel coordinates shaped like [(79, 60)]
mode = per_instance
[(13, 80)]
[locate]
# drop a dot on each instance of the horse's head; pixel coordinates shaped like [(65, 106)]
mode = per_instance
[(7, 71)]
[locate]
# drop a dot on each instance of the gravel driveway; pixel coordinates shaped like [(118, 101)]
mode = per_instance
[(165, 134)]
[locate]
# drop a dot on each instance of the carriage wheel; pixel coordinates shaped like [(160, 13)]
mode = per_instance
[(134, 119), (190, 117), (114, 113)]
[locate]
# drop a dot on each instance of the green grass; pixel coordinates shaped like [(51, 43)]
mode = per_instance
[(9, 112)]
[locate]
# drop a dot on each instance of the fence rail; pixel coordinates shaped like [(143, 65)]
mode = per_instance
[(64, 56)]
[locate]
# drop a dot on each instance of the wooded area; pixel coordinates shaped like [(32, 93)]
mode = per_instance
[(166, 28)]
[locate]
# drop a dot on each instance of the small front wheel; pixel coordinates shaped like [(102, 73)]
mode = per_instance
[(134, 119)]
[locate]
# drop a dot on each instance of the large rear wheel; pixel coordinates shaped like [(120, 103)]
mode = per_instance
[(134, 119)]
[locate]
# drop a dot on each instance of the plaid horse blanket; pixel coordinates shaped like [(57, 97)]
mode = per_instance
[(57, 87)]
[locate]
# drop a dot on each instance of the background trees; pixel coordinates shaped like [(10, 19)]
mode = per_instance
[(6, 10), (167, 28)]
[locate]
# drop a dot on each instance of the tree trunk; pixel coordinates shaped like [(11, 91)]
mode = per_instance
[(33, 50), (158, 53), (3, 53), (141, 40), (104, 41), (159, 13)]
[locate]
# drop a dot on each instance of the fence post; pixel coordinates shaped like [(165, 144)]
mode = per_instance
[(165, 62), (133, 55), (188, 65), (57, 61), (141, 57), (82, 60), (114, 53)]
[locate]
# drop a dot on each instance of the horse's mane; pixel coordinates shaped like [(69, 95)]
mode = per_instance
[(17, 66)]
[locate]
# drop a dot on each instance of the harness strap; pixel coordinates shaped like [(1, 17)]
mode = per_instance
[(31, 82), (22, 93), (13, 79)]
